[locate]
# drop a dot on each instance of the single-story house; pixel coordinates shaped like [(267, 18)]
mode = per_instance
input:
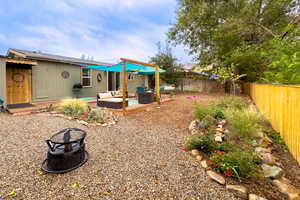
[(34, 76)]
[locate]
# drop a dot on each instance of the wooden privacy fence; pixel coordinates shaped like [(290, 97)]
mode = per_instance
[(280, 104)]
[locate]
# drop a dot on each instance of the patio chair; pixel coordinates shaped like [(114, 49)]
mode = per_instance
[(1, 105), (140, 89)]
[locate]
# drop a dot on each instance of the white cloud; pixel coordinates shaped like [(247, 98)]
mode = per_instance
[(76, 31)]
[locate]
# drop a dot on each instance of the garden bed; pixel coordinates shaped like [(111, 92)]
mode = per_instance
[(237, 143)]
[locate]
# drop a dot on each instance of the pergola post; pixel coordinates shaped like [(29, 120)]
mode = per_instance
[(157, 77), (124, 87), (157, 84)]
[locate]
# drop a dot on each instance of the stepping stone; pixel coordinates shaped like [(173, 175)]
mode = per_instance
[(216, 177)]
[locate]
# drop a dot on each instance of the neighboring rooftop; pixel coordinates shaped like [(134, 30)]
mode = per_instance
[(38, 55)]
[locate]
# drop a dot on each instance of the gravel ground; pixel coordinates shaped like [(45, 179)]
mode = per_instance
[(139, 158)]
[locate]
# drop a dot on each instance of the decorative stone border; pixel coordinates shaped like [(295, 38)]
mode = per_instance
[(270, 165), (113, 120)]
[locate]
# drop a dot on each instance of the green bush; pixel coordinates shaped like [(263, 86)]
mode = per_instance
[(276, 138), (203, 110), (73, 107), (207, 123), (237, 163), (232, 102), (243, 123), (99, 116), (206, 143)]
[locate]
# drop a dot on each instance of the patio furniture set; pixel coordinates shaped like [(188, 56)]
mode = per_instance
[(114, 99)]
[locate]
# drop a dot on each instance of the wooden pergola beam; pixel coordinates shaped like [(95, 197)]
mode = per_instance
[(124, 79)]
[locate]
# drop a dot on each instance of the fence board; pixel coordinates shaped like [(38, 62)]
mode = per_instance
[(280, 104)]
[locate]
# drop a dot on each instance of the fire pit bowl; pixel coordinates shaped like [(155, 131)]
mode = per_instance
[(66, 151)]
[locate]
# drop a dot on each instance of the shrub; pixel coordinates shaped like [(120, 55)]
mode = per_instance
[(205, 143), (207, 123), (236, 163), (99, 116), (243, 123), (203, 110), (232, 102), (73, 107), (276, 138)]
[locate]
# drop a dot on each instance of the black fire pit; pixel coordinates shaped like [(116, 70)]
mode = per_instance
[(66, 151)]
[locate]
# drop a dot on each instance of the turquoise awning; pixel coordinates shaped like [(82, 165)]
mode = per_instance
[(139, 69), (149, 70)]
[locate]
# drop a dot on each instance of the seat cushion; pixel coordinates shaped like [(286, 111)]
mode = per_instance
[(113, 100), (105, 95)]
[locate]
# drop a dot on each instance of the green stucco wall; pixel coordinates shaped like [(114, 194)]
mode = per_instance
[(48, 83), (2, 79)]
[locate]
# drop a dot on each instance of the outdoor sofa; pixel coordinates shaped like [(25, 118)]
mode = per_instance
[(110, 100)]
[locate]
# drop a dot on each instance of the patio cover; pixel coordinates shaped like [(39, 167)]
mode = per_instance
[(139, 69)]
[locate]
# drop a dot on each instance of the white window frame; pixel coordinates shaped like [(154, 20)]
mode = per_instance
[(89, 76)]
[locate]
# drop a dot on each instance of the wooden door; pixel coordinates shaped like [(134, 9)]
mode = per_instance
[(18, 83)]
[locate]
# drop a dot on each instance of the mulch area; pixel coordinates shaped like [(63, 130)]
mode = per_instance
[(138, 158)]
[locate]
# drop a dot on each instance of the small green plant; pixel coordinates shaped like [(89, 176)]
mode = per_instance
[(206, 143), (207, 123), (236, 163), (73, 107), (203, 110), (243, 123), (276, 138), (232, 102), (99, 116)]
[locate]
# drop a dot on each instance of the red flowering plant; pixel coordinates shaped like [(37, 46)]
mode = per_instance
[(220, 164), (236, 163)]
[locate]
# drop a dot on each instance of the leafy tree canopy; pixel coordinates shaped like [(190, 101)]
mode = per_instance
[(226, 32), (167, 61)]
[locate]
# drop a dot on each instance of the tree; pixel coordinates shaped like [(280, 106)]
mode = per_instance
[(229, 32), (166, 60)]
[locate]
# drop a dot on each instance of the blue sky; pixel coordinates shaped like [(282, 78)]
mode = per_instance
[(104, 29)]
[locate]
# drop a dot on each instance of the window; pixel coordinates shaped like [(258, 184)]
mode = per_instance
[(86, 77), (130, 76)]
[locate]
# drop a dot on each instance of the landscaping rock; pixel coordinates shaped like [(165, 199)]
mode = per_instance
[(194, 126), (265, 142), (220, 130), (287, 189), (220, 126), (216, 177), (218, 138), (199, 157), (82, 122), (272, 171), (204, 164), (262, 150), (239, 190), (268, 158), (255, 197), (222, 122), (260, 134), (195, 152)]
